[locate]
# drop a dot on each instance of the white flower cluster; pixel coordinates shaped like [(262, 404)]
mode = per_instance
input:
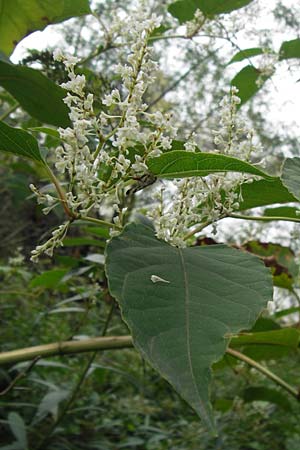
[(44, 199), (205, 200), (195, 25), (267, 66), (56, 240), (233, 138), (116, 141), (127, 106)]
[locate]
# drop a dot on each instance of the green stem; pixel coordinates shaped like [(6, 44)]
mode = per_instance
[(98, 221), (114, 343), (294, 392), (263, 218), (65, 348), (61, 193), (169, 36), (9, 111), (196, 230)]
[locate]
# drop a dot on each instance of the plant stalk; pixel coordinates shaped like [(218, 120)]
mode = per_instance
[(263, 218), (65, 348), (114, 343), (294, 392)]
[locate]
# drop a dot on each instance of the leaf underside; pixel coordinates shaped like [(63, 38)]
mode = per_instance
[(19, 18), (36, 93), (19, 142), (179, 324)]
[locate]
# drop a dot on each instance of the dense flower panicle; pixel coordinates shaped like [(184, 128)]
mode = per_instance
[(200, 200), (193, 26), (48, 247), (102, 141), (266, 66)]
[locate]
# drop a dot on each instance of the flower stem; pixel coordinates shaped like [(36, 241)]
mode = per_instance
[(98, 221), (294, 392), (196, 230), (263, 218), (61, 193)]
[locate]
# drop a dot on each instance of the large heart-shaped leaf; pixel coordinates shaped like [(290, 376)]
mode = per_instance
[(19, 142), (19, 18), (182, 304), (38, 95), (291, 176), (180, 164)]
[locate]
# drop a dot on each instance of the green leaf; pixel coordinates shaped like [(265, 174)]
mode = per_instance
[(290, 49), (264, 192), (49, 279), (263, 394), (18, 429), (282, 211), (265, 324), (211, 7), (248, 81), (48, 131), (184, 10), (179, 323), (37, 95), (246, 53), (287, 311), (267, 345), (19, 142), (22, 17), (180, 164), (291, 176)]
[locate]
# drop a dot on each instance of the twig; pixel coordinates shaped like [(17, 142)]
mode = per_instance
[(294, 392), (20, 375)]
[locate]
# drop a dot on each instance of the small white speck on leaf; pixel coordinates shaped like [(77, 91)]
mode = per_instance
[(156, 279)]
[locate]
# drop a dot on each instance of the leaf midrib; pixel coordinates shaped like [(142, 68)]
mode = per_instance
[(187, 322)]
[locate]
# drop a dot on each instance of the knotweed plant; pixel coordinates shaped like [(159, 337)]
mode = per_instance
[(183, 302)]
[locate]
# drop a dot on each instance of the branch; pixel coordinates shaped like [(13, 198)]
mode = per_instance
[(119, 342), (65, 348)]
